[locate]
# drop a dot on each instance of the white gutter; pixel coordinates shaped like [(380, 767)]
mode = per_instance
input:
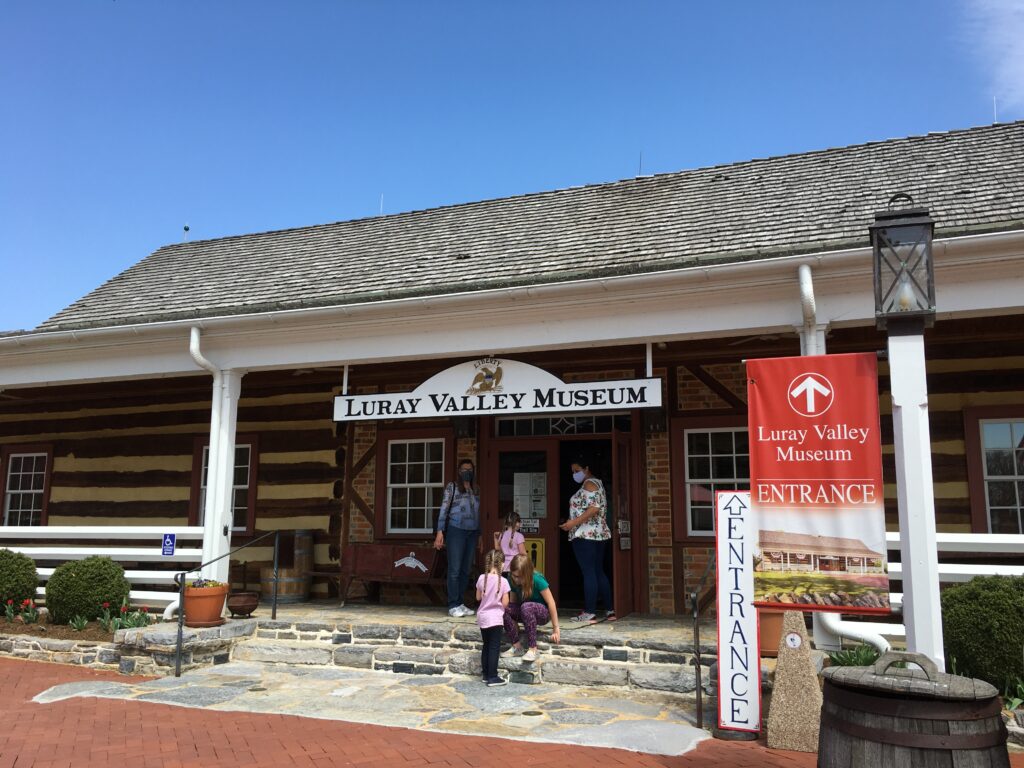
[(698, 273)]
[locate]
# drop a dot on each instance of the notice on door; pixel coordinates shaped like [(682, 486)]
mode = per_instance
[(530, 494), (816, 483)]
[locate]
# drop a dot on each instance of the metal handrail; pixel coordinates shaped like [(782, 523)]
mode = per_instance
[(179, 579), (695, 605)]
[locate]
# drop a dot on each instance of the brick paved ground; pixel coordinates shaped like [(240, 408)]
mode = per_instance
[(95, 733)]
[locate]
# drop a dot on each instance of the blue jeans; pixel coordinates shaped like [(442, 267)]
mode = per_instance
[(461, 547), (590, 556)]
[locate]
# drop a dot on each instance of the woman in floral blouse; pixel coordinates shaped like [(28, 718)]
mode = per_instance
[(588, 531)]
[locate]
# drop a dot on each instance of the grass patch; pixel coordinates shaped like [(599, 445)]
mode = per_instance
[(799, 583)]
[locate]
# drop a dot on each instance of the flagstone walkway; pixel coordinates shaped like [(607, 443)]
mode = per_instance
[(86, 731)]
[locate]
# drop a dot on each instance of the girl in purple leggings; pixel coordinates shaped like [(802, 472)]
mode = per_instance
[(531, 602)]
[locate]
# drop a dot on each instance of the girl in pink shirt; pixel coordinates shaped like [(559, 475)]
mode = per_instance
[(510, 541), (492, 593)]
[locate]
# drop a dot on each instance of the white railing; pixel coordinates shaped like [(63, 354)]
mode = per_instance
[(876, 633), (89, 540)]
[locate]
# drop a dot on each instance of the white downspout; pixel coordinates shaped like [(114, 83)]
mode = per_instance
[(828, 628), (213, 478), (812, 336)]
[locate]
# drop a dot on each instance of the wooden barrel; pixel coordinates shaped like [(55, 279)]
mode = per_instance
[(292, 585), (871, 717), (304, 550)]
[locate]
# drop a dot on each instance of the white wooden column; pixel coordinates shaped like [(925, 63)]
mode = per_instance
[(922, 612), (220, 475)]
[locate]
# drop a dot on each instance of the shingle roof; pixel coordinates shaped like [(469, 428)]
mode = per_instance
[(970, 180)]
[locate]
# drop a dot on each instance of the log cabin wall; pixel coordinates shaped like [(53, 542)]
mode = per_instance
[(975, 369), (127, 453)]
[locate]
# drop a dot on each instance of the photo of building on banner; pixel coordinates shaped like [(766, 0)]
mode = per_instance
[(816, 483)]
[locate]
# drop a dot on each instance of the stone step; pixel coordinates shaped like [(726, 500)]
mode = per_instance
[(600, 642), (550, 666)]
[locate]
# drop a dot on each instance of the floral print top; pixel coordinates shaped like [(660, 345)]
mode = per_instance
[(595, 529)]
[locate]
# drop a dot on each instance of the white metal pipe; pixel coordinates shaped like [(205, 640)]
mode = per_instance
[(807, 305), (344, 381), (866, 633), (650, 360), (811, 343), (212, 474)]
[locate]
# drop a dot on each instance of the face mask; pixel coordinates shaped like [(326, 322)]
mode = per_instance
[(578, 476), (466, 475)]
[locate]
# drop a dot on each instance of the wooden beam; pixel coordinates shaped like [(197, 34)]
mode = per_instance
[(716, 386)]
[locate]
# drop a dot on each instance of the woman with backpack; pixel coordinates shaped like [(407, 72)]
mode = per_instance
[(458, 529)]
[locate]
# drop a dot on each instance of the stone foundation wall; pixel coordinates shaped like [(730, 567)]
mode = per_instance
[(144, 651)]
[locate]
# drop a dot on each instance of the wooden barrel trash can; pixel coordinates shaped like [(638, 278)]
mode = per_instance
[(292, 585), (884, 716)]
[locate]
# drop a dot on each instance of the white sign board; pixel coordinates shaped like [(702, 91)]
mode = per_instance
[(739, 656), (493, 387), (530, 494)]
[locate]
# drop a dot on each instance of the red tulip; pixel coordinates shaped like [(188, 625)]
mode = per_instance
[(106, 605), (124, 609)]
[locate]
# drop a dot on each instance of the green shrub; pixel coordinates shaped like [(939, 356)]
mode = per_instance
[(81, 587), (18, 577), (983, 627), (863, 655)]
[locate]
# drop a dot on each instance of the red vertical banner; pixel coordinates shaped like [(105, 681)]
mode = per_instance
[(816, 484)]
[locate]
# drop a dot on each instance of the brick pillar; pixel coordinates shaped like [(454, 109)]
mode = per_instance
[(659, 525)]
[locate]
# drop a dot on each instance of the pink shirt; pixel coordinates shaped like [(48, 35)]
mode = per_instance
[(509, 543), (490, 612)]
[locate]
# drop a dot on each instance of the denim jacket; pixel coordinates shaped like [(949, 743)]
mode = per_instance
[(459, 508)]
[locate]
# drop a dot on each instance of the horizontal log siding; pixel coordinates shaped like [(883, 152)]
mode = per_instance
[(132, 462), (953, 385)]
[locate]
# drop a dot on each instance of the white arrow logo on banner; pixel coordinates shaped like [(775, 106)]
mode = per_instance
[(805, 394)]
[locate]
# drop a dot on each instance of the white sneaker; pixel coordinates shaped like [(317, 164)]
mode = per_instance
[(455, 612), (515, 650), (466, 611), (530, 655)]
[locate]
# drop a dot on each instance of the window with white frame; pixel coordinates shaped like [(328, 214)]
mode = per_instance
[(24, 488), (415, 484), (717, 459), (239, 487), (1002, 446)]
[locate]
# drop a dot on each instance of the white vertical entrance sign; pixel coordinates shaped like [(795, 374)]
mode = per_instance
[(739, 655)]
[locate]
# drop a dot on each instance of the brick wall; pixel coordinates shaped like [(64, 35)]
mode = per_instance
[(694, 395), (659, 525)]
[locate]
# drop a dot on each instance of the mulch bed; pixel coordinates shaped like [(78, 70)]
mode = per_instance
[(92, 631)]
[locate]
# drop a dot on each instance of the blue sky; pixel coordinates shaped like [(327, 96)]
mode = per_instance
[(122, 121)]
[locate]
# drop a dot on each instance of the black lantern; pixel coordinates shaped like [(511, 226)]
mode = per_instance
[(901, 242)]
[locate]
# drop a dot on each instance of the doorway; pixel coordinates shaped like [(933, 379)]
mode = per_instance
[(532, 476), (596, 453)]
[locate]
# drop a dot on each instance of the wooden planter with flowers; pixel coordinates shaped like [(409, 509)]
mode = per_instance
[(204, 603)]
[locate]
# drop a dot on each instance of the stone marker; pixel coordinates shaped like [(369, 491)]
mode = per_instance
[(796, 696)]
